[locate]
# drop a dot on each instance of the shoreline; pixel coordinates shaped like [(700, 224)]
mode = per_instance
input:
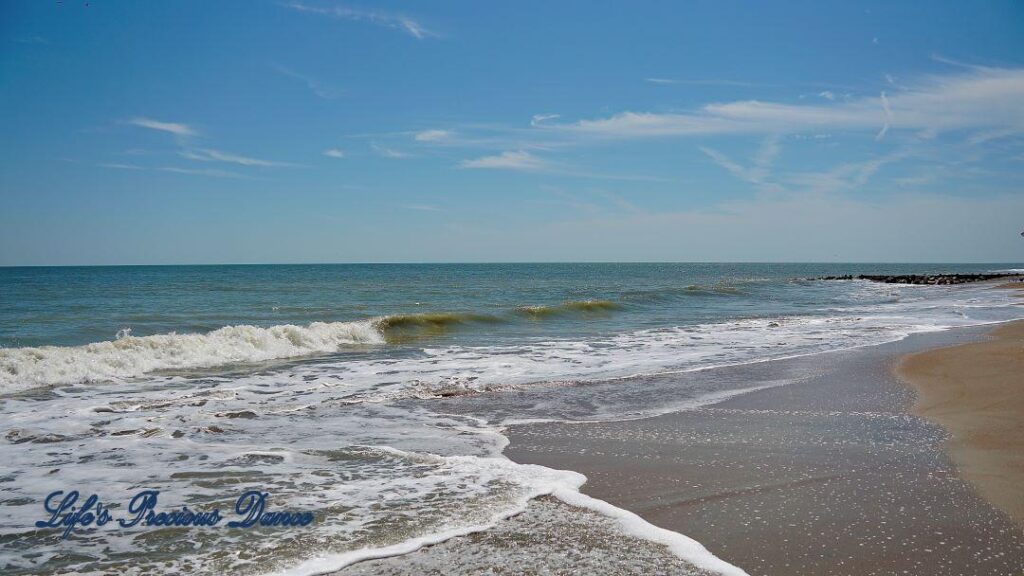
[(829, 474), (976, 392), (795, 461)]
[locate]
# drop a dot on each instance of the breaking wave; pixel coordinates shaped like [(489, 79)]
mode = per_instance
[(467, 369), (583, 306), (404, 327), (131, 356)]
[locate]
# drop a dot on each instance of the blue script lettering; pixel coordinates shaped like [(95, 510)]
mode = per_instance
[(252, 506), (142, 507), (64, 513), (141, 503), (142, 510)]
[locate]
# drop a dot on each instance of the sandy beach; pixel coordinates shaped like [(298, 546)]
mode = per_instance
[(832, 474), (976, 392), (625, 288)]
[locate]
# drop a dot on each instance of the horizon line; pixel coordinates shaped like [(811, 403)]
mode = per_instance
[(507, 262)]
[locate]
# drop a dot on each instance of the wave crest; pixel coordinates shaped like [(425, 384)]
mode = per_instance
[(585, 306), (715, 289), (131, 356), (403, 327)]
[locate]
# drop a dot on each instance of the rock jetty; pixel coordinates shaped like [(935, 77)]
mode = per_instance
[(926, 278)]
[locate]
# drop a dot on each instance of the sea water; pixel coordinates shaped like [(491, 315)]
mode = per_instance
[(320, 385)]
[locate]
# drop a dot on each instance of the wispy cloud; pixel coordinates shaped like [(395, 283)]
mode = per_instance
[(524, 161), (725, 162), (208, 155), (847, 176), (511, 160), (315, 86), (175, 128), (767, 154), (980, 98), (588, 202), (957, 63), (174, 170), (888, 117), (201, 172), (913, 181), (432, 135), (383, 19), (647, 124), (120, 166), (539, 119), (988, 135), (334, 153), (759, 171), (386, 152), (707, 82)]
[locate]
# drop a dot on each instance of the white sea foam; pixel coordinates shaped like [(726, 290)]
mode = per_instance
[(459, 370), (454, 370), (385, 477), (682, 546), (432, 477), (130, 356), (564, 485), (538, 481)]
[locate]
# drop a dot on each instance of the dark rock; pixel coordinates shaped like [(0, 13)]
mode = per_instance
[(926, 279)]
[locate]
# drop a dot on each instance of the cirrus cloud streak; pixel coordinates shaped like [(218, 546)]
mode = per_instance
[(979, 98)]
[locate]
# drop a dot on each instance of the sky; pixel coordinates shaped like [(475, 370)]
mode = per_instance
[(318, 131)]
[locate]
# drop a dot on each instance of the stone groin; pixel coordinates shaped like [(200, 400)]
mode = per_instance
[(932, 279)]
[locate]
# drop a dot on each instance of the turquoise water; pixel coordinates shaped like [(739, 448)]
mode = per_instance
[(76, 305), (321, 384)]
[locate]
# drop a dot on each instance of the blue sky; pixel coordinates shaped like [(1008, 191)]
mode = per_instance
[(317, 131)]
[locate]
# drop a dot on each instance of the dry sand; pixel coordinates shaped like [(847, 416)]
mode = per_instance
[(976, 392)]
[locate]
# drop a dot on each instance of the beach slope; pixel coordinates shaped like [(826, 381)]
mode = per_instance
[(830, 474), (976, 392)]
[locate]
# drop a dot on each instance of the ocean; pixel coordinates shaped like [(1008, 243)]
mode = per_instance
[(375, 396)]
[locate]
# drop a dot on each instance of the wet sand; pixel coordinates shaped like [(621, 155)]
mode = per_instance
[(976, 392), (831, 475), (549, 539)]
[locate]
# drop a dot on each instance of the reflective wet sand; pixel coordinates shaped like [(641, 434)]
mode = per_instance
[(831, 475), (976, 392)]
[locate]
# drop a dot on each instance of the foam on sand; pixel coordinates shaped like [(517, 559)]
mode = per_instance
[(682, 546), (561, 484)]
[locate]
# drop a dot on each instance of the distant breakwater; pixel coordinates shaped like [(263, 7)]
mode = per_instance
[(926, 278)]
